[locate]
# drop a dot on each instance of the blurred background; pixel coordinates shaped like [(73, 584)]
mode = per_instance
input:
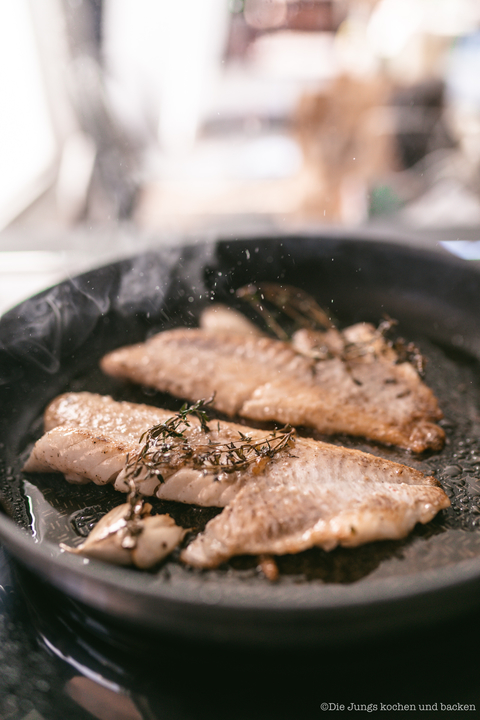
[(126, 123)]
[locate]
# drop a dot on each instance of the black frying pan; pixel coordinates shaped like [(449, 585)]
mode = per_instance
[(52, 343)]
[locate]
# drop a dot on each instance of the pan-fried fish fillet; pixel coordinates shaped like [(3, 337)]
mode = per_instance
[(328, 496), (220, 317), (88, 437), (318, 494), (371, 395)]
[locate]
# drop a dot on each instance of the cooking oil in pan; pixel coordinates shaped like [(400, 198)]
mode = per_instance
[(59, 512)]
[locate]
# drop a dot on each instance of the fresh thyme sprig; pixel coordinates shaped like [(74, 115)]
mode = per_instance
[(296, 304), (219, 458), (303, 309), (165, 444), (253, 295), (166, 447)]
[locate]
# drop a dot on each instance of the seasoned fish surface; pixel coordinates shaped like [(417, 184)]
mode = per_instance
[(370, 394), (89, 436), (316, 494), (220, 317), (328, 496)]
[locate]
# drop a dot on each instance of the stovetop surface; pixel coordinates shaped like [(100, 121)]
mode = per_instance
[(58, 663)]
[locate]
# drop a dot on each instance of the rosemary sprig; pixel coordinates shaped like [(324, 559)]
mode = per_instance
[(166, 446)]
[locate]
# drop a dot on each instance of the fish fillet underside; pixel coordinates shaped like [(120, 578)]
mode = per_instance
[(310, 494)]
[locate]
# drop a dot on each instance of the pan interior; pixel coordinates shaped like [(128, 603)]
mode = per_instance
[(54, 511)]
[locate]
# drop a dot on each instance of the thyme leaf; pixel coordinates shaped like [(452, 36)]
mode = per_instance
[(167, 447)]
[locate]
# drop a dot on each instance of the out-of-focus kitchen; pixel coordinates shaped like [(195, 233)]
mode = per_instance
[(210, 146), (130, 124)]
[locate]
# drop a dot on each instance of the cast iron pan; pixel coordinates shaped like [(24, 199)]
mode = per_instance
[(52, 343)]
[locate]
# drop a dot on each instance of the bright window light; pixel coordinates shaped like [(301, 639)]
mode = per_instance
[(27, 141)]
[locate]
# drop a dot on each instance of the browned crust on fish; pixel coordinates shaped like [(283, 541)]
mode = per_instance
[(312, 494), (265, 379)]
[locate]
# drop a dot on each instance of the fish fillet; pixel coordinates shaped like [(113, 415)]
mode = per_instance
[(317, 494), (372, 395), (328, 496), (88, 437), (220, 317)]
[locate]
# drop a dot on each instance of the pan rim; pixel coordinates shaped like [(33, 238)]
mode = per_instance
[(305, 615)]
